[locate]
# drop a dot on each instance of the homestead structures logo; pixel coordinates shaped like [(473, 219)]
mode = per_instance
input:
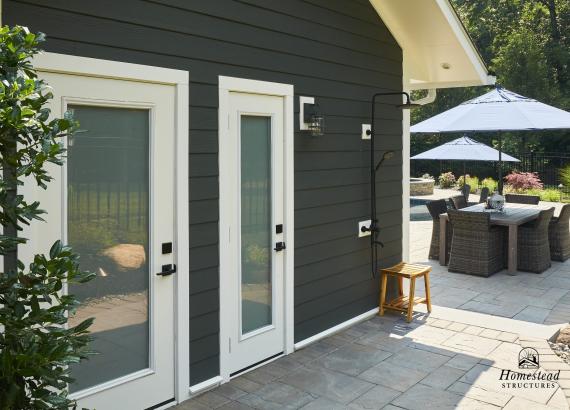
[(528, 358), (530, 377)]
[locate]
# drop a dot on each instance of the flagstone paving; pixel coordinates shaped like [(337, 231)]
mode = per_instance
[(537, 298), (387, 363)]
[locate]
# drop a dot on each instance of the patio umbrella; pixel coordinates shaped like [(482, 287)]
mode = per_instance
[(465, 149), (496, 111)]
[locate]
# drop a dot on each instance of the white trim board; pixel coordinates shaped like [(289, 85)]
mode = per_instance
[(232, 84), (335, 329), (205, 385), (92, 67)]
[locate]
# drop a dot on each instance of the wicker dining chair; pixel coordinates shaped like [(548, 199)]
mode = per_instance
[(522, 199), (533, 245), (436, 208), (466, 190), (484, 195), (458, 202), (477, 247), (559, 235)]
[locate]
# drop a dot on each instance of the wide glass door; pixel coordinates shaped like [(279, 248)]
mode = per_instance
[(114, 203)]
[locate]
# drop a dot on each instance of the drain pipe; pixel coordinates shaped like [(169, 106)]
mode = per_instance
[(428, 99)]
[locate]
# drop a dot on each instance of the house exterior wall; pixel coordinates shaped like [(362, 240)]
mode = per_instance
[(337, 51)]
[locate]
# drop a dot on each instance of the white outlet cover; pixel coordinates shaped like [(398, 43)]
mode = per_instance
[(366, 127), (367, 224)]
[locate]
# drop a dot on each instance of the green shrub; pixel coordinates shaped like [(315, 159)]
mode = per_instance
[(446, 180), (490, 183), (36, 345), (565, 176), (473, 182), (547, 195)]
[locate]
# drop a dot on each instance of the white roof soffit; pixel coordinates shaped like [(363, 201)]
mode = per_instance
[(438, 52)]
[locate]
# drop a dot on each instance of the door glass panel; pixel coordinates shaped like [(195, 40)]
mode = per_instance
[(108, 225), (256, 303)]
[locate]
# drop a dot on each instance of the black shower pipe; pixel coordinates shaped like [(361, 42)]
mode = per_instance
[(374, 229)]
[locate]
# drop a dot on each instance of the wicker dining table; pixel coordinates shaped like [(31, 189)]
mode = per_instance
[(512, 216)]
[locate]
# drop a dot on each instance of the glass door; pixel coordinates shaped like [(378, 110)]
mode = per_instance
[(114, 203), (256, 130)]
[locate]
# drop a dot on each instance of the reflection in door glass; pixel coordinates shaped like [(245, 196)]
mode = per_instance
[(108, 225), (255, 222)]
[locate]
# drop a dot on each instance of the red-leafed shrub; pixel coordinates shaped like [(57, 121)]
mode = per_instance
[(520, 181)]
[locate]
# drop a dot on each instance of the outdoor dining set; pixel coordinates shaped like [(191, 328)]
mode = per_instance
[(474, 238)]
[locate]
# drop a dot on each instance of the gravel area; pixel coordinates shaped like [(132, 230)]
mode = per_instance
[(562, 345)]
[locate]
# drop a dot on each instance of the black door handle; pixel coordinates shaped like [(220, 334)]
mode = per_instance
[(167, 270), (279, 246)]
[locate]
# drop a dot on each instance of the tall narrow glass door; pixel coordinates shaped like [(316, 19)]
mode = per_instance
[(108, 225), (256, 228)]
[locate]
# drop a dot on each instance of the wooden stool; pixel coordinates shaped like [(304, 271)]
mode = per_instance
[(404, 303)]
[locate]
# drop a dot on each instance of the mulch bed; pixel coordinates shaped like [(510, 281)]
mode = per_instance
[(562, 345)]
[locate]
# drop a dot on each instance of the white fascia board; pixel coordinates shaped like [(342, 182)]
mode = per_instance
[(466, 42)]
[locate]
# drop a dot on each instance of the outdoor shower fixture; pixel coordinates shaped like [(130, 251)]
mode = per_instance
[(373, 228), (310, 118)]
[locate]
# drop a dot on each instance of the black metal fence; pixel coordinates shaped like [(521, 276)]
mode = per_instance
[(546, 164)]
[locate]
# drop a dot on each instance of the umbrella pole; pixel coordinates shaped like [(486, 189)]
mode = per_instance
[(500, 166), (464, 175)]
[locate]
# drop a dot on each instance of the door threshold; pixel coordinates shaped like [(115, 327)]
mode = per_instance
[(256, 365), (164, 405)]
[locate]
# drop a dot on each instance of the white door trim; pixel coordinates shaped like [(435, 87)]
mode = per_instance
[(227, 85), (67, 64)]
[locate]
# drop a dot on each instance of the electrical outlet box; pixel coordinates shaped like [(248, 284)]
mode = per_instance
[(365, 129), (365, 224)]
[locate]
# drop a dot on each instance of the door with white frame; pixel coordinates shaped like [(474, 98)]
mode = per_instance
[(253, 202), (114, 202)]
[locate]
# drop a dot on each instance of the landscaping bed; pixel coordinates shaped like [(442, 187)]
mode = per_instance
[(562, 345)]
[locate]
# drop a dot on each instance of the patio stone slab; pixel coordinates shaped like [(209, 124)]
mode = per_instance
[(533, 314), (518, 403), (463, 361), (416, 359), (283, 394), (212, 399), (375, 398), (352, 359), (395, 377), (383, 341), (480, 393), (324, 404), (443, 377), (242, 383), (335, 386), (472, 344), (431, 334), (505, 310), (422, 397), (234, 405), (230, 391)]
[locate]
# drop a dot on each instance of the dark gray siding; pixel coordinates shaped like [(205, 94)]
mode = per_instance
[(336, 50)]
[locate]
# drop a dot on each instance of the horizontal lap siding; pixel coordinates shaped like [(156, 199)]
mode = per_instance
[(335, 50)]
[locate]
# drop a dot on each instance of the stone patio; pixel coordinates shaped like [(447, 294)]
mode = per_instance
[(538, 298), (386, 363), (450, 359)]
